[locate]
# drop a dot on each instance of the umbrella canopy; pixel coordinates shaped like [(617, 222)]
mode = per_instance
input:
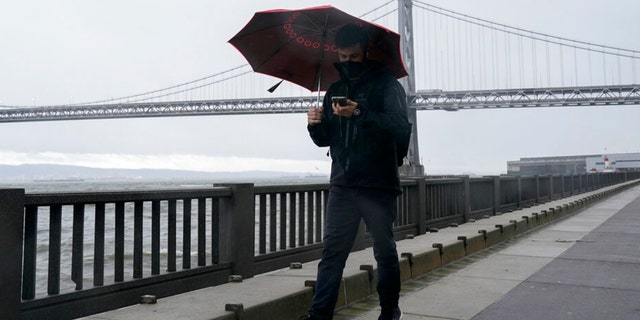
[(298, 45)]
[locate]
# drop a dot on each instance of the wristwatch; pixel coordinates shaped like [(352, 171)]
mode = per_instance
[(356, 112)]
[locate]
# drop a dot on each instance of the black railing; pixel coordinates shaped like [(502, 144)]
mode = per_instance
[(67, 255)]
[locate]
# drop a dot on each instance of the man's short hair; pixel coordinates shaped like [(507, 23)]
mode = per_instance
[(350, 35)]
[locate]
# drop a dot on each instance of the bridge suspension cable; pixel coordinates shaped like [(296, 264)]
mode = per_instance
[(175, 89), (634, 54), (462, 52)]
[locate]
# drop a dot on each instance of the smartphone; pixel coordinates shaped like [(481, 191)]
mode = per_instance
[(340, 100)]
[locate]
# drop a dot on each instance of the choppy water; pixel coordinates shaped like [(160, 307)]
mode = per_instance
[(124, 185)]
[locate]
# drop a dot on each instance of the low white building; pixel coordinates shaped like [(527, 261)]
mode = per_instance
[(613, 162), (575, 164)]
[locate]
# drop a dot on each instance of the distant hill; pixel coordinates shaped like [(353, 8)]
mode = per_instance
[(36, 172)]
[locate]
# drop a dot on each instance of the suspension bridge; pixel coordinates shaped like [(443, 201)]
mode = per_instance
[(456, 62)]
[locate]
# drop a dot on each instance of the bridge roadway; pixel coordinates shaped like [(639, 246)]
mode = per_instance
[(421, 100), (579, 261)]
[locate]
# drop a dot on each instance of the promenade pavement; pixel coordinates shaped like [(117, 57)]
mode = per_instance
[(572, 258), (584, 267)]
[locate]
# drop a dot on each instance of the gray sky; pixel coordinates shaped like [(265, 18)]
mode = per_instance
[(71, 51)]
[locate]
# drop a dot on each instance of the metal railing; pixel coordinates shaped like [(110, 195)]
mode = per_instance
[(67, 255)]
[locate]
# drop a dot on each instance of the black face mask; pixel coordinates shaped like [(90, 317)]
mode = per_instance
[(352, 69)]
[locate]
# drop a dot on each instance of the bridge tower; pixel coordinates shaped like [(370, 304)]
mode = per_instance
[(405, 29)]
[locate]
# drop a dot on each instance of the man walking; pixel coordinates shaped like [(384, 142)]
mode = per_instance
[(363, 121)]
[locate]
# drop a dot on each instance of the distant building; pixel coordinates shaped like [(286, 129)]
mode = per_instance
[(575, 164), (614, 162)]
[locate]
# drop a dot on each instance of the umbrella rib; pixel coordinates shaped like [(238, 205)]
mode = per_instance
[(315, 25), (275, 52), (319, 67)]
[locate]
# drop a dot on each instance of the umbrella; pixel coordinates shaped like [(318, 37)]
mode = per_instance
[(298, 45)]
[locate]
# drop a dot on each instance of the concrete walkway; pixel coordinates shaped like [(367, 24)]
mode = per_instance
[(584, 267), (572, 258)]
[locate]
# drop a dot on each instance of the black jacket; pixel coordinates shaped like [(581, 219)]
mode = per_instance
[(362, 147)]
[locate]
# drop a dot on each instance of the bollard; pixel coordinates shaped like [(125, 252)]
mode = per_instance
[(236, 308), (148, 299)]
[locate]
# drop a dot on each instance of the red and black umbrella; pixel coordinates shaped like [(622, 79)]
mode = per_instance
[(298, 45)]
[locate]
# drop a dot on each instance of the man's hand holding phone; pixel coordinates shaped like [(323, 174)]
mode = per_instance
[(340, 100), (344, 107)]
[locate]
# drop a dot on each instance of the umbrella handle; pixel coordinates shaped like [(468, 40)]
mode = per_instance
[(318, 100)]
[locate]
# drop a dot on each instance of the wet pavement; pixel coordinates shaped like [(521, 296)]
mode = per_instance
[(586, 266)]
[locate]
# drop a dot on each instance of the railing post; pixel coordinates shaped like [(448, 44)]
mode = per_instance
[(237, 228), (573, 184), (537, 189), (11, 236), (419, 200), (599, 179), (519, 186), (496, 195), (574, 179), (466, 187)]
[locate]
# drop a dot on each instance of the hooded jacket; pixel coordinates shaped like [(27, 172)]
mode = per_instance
[(363, 147)]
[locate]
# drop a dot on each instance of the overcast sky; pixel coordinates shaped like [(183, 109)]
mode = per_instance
[(56, 52)]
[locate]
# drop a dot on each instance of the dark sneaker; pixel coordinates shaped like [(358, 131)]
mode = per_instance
[(390, 314)]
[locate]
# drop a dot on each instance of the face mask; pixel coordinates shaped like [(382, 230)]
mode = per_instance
[(352, 69)]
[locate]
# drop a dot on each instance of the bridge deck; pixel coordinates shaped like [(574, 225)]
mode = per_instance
[(421, 100)]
